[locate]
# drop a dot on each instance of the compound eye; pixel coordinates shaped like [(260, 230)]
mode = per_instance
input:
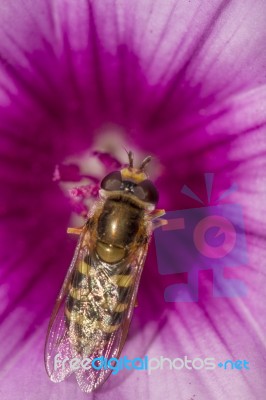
[(146, 191), (112, 181)]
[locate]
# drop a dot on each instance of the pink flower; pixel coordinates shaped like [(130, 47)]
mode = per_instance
[(182, 81)]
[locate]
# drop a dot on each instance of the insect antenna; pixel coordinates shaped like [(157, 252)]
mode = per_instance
[(145, 162), (130, 158)]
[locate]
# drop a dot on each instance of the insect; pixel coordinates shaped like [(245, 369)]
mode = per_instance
[(94, 308)]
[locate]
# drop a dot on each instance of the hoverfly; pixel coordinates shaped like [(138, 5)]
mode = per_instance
[(94, 308)]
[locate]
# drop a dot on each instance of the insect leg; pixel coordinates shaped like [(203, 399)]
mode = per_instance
[(74, 231), (156, 214), (159, 222), (78, 231)]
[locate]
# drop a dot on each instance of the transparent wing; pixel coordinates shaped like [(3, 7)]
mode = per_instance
[(118, 286), (57, 339), (92, 314)]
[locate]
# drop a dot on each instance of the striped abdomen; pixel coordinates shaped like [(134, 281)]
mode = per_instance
[(96, 304)]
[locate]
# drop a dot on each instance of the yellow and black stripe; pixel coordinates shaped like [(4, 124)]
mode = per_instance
[(124, 284), (77, 292), (80, 287)]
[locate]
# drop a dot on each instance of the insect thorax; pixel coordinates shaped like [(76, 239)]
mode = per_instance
[(118, 226)]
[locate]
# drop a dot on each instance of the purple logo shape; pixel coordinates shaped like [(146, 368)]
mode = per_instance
[(210, 237), (225, 231)]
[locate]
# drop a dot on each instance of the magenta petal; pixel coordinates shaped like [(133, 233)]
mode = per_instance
[(183, 81)]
